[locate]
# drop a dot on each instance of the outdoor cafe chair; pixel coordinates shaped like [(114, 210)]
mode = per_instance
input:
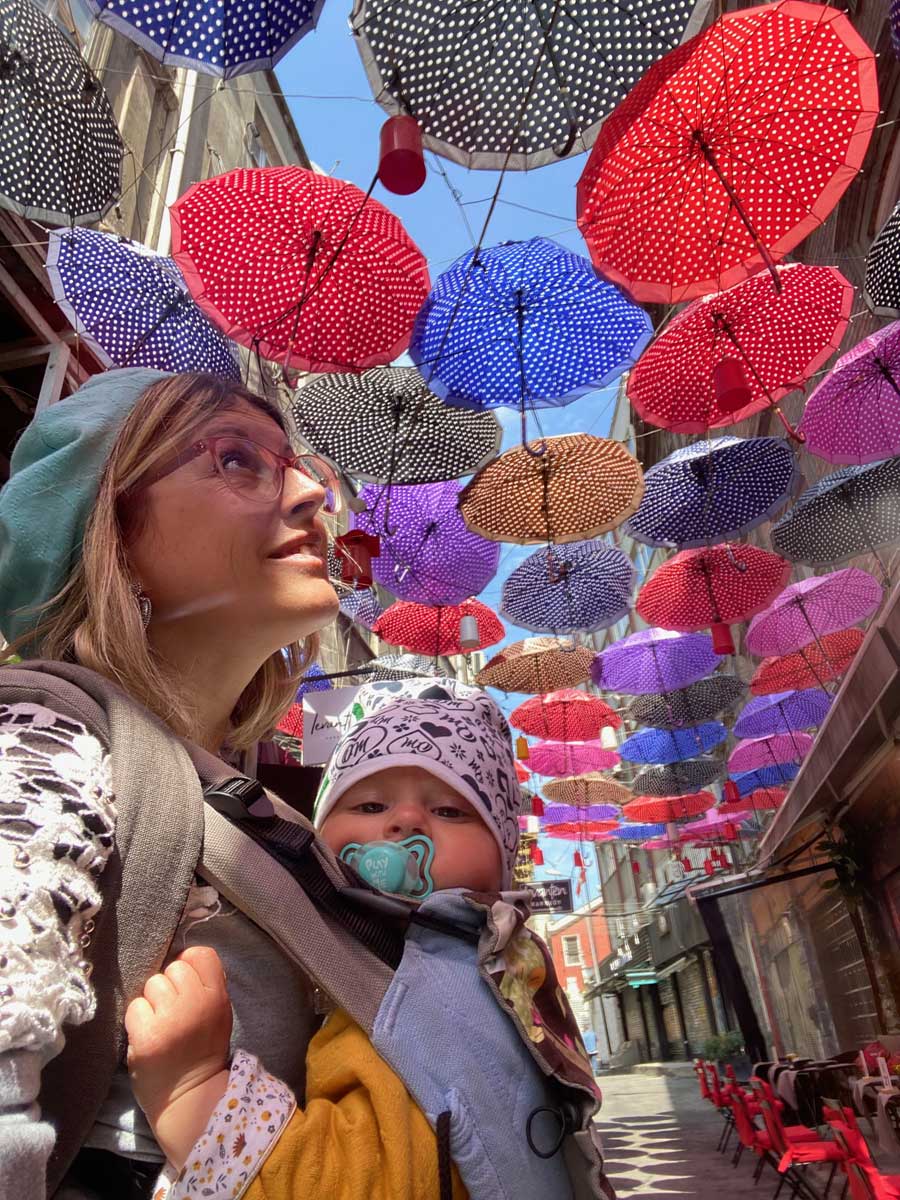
[(795, 1152)]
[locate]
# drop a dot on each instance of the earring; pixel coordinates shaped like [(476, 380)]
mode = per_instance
[(144, 605)]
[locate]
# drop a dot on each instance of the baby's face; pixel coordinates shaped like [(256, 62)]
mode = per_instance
[(404, 801)]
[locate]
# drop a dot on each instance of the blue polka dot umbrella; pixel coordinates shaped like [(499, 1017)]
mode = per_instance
[(527, 324), (220, 37), (581, 586), (635, 833), (362, 607), (713, 491), (663, 746), (773, 776), (132, 306), (315, 680), (782, 712)]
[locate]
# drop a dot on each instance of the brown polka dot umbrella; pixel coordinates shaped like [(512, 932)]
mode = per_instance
[(592, 788), (540, 664), (562, 489)]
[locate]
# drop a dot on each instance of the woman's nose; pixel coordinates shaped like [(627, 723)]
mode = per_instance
[(299, 491)]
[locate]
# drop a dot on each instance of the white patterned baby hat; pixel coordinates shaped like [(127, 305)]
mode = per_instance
[(453, 731)]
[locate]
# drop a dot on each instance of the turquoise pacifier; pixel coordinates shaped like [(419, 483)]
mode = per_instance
[(403, 868)]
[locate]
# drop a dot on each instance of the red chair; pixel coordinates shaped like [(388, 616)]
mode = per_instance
[(865, 1181), (721, 1098), (796, 1152), (763, 1091), (700, 1072), (846, 1128)]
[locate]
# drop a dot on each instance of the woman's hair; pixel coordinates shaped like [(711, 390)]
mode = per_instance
[(96, 618)]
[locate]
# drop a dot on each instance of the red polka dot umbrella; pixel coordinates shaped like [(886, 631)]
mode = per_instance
[(813, 665), (715, 586), (667, 808), (300, 267), (759, 801), (540, 664), (288, 736), (778, 339), (729, 151), (579, 831), (434, 631), (565, 716)]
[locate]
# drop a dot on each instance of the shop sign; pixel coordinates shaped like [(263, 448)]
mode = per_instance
[(551, 896)]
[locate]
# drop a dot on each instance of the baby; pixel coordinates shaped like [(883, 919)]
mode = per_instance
[(421, 797)]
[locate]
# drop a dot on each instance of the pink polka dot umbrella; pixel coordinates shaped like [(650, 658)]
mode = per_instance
[(729, 151), (558, 759), (807, 610), (300, 267), (754, 753)]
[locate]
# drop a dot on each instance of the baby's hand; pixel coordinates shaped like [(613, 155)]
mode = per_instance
[(178, 1047)]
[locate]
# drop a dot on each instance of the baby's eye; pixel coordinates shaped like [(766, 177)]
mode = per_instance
[(369, 806), (449, 812)]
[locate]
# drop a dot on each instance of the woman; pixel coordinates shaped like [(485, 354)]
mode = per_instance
[(160, 531)]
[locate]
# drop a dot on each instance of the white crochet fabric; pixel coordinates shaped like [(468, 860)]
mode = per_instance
[(56, 832)]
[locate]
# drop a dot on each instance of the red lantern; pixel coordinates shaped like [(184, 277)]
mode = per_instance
[(537, 806), (401, 165), (709, 867), (636, 868), (722, 641), (731, 386), (355, 550), (577, 859), (687, 864), (732, 792), (537, 855)]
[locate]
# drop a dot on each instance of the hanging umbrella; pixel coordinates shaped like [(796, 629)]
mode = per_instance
[(853, 416), (701, 701), (362, 607), (388, 667), (509, 85), (288, 735), (62, 152), (426, 630), (714, 491), (578, 587), (427, 554), (565, 716), (729, 151), (557, 759), (315, 680), (782, 712), (762, 752), (579, 831), (592, 788), (713, 827), (678, 779), (807, 610), (562, 489), (522, 772), (654, 660), (811, 666), (667, 808), (528, 324), (775, 775), (759, 801), (300, 267), (663, 746), (538, 665), (219, 37), (557, 814), (132, 307), (778, 339), (636, 833), (384, 425), (721, 585), (882, 287)]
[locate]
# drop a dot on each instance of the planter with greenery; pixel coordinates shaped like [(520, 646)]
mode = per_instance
[(728, 1048)]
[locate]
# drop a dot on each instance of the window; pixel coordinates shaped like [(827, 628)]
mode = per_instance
[(74, 16), (572, 950)]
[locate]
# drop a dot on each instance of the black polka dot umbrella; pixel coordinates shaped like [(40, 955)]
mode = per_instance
[(882, 286), (678, 779), (386, 426), (511, 84), (60, 149), (851, 511), (701, 701)]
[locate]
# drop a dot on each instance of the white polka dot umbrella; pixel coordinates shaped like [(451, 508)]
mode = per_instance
[(60, 149), (807, 610), (882, 286), (700, 701), (729, 151), (680, 778), (300, 267)]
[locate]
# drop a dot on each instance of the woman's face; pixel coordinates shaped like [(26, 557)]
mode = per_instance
[(205, 554)]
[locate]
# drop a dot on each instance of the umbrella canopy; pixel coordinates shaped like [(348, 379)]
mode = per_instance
[(763, 752), (300, 267), (556, 814), (558, 759), (427, 554), (562, 489), (779, 338), (701, 701), (528, 324), (665, 746), (807, 610), (853, 416), (362, 607), (434, 631), (782, 712), (636, 833), (852, 511), (579, 831), (721, 584), (775, 775), (132, 307), (729, 151), (667, 808), (758, 801), (315, 680), (882, 287), (568, 715), (591, 788), (509, 85), (578, 587), (811, 666), (714, 491), (539, 665), (219, 37), (384, 425), (680, 778), (654, 660), (62, 152), (713, 827), (288, 735), (388, 667), (522, 772)]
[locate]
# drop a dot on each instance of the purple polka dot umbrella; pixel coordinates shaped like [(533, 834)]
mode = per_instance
[(805, 611), (782, 712), (654, 660), (581, 586), (558, 759), (554, 814), (764, 752), (663, 746), (428, 555)]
